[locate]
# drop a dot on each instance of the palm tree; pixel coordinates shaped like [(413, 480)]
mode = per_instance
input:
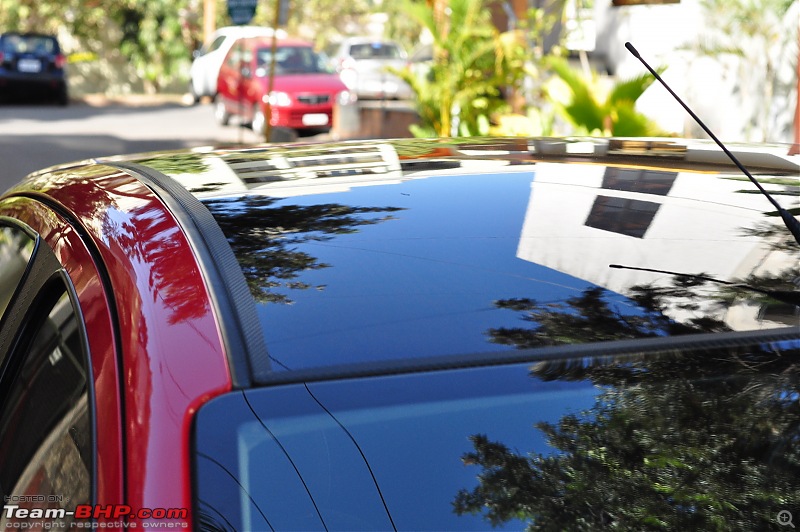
[(592, 110), (472, 61)]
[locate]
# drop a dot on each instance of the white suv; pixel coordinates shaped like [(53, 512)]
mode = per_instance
[(208, 59)]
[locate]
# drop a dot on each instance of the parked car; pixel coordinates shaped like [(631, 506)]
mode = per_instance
[(363, 64), (425, 334), (32, 65), (303, 91), (207, 60)]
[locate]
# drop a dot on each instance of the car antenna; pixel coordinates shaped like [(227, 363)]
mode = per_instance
[(790, 221)]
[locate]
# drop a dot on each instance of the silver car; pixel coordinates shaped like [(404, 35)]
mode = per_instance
[(363, 64)]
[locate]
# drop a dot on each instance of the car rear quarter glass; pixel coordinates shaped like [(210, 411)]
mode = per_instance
[(375, 50)]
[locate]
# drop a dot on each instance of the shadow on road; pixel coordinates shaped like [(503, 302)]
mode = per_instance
[(49, 113)]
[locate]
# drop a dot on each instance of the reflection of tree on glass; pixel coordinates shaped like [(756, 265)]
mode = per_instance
[(183, 163), (591, 318), (264, 236), (701, 439)]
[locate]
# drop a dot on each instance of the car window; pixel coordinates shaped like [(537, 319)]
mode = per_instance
[(38, 44), (292, 60), (215, 44), (16, 249), (375, 50), (46, 442), (234, 56)]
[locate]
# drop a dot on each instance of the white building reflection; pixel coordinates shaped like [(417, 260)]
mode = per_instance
[(681, 221)]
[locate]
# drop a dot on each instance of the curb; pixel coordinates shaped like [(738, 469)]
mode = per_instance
[(132, 100)]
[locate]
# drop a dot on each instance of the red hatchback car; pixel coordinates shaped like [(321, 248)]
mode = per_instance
[(303, 94)]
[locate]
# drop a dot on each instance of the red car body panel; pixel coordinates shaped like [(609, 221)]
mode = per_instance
[(167, 341), (73, 253)]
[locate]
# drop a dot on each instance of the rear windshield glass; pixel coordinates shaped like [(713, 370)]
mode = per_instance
[(35, 44), (386, 251), (375, 51), (292, 60), (399, 264)]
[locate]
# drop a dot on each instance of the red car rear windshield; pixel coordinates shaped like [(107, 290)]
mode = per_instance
[(292, 60)]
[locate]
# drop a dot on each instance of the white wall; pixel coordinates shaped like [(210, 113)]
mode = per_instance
[(695, 231), (727, 93)]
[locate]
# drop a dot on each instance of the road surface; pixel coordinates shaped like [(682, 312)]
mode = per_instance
[(33, 137)]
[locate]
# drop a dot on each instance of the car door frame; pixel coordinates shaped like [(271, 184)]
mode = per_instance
[(73, 261)]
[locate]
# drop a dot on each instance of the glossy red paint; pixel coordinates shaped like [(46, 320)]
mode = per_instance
[(169, 346)]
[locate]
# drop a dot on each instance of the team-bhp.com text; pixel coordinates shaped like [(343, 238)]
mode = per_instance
[(110, 516)]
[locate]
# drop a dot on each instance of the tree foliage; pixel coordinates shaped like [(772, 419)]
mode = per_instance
[(593, 110), (319, 20), (472, 62), (155, 38)]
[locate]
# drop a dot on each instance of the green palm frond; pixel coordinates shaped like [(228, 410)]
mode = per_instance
[(628, 122), (631, 89), (583, 109)]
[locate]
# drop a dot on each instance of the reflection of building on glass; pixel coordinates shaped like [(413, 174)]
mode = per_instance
[(784, 313), (283, 171), (639, 180), (621, 215), (299, 170), (643, 218), (627, 216)]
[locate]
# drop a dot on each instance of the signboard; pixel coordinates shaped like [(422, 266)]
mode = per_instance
[(242, 11)]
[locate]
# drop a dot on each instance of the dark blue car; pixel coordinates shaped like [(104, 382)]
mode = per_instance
[(32, 65)]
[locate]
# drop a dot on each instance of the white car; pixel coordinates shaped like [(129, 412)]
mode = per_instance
[(208, 59), (363, 63)]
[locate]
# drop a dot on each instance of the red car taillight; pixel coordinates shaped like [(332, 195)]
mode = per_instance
[(60, 61)]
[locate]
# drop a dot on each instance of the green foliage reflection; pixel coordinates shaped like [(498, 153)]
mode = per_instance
[(705, 439), (265, 237)]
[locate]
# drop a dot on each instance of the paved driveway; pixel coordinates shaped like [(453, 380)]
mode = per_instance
[(36, 136)]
